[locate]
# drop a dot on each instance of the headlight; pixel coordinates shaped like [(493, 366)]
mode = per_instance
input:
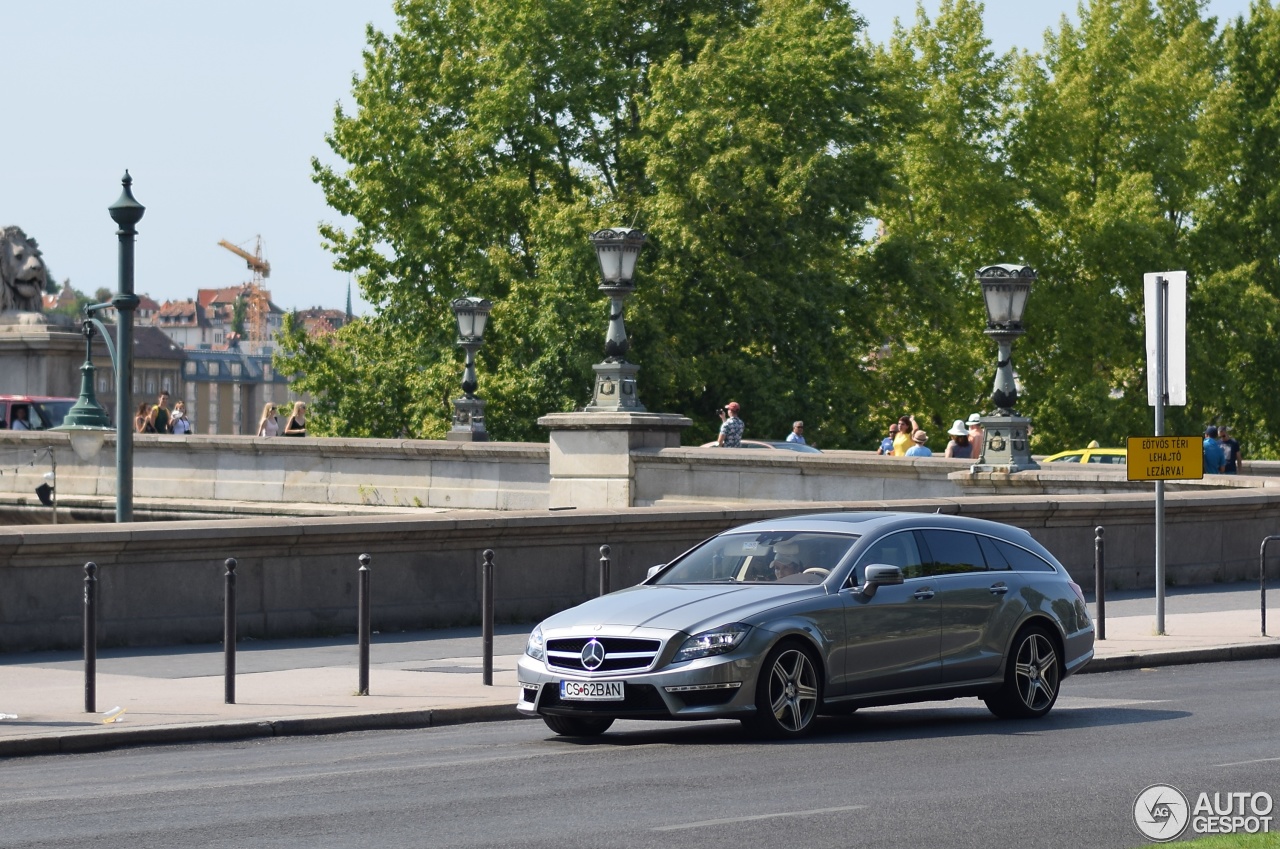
[(535, 648), (713, 642)]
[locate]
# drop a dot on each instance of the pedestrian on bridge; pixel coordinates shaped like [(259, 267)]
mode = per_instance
[(1214, 462)]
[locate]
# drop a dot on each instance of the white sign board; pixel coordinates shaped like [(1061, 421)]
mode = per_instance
[(1175, 337)]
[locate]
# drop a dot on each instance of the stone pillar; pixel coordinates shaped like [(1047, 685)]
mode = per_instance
[(1006, 445), (213, 408), (591, 462)]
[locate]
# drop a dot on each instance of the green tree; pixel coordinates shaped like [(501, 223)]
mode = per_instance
[(1104, 146), (952, 209), (1233, 359), (489, 139), (239, 310)]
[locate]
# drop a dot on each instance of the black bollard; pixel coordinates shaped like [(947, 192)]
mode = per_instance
[(486, 614), (604, 570), (229, 632), (1099, 585), (363, 624), (90, 637), (1262, 579)]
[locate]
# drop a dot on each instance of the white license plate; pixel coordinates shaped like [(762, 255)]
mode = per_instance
[(592, 691)]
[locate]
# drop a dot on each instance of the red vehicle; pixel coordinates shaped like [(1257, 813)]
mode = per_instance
[(40, 412)]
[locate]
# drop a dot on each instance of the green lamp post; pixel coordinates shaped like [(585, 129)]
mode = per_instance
[(87, 423)]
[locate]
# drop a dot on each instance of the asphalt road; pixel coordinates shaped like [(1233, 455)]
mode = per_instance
[(945, 774)]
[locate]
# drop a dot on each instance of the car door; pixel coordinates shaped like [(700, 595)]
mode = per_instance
[(980, 601), (892, 637)]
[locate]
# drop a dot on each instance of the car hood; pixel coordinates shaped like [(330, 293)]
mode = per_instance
[(690, 608)]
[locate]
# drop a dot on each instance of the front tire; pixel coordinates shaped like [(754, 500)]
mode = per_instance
[(578, 726), (788, 692), (1033, 675)]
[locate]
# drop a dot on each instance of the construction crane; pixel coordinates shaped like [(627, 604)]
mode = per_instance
[(258, 302), (260, 267)]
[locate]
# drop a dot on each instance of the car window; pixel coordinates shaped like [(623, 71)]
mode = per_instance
[(996, 561), (1112, 459), (761, 558), (952, 553), (1022, 560), (49, 414), (899, 550), (1070, 458)]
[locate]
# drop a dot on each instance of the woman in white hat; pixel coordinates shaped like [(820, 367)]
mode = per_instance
[(959, 446)]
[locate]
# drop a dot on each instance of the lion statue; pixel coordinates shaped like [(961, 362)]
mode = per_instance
[(22, 272)]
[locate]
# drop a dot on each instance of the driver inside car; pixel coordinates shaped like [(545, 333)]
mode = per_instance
[(782, 567)]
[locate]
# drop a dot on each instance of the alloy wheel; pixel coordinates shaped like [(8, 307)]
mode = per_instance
[(793, 691), (1036, 673)]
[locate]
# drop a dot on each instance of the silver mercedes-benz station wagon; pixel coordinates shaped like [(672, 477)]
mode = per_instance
[(779, 621)]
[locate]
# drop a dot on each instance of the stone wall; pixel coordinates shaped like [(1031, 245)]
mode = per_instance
[(162, 583), (225, 475), (220, 476)]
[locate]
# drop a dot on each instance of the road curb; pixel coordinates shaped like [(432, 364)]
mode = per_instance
[(114, 737), (1183, 657)]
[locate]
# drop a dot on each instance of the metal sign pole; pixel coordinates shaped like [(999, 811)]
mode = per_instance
[(1162, 397)]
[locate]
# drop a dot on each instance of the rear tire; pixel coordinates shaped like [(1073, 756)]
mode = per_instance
[(578, 726), (788, 692), (1033, 675)]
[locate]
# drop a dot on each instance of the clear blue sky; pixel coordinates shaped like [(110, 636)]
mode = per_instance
[(216, 109)]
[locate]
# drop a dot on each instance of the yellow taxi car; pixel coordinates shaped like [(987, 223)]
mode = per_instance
[(1093, 453)]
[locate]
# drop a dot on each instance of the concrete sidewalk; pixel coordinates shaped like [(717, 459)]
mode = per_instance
[(435, 678)]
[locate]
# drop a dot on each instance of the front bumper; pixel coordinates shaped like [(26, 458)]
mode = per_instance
[(706, 688)]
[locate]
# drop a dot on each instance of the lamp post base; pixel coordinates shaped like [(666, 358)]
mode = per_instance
[(1006, 445), (468, 421), (615, 389)]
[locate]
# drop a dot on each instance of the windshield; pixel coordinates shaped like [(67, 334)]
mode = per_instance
[(775, 556), (49, 414)]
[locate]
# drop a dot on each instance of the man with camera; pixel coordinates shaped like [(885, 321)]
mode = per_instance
[(730, 426)]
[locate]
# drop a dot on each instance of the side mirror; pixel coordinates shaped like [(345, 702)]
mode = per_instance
[(877, 575), (653, 570)]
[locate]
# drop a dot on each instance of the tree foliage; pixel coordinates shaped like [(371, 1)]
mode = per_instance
[(953, 208), (489, 140), (760, 144)]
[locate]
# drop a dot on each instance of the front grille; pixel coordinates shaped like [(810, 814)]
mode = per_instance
[(621, 654)]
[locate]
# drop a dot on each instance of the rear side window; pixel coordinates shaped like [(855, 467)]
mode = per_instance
[(952, 553), (1022, 560), (995, 559)]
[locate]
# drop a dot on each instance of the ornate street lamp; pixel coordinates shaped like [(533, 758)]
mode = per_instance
[(468, 411), (87, 423), (616, 250), (1005, 445), (126, 212)]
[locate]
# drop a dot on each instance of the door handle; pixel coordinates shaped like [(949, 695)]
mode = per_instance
[(923, 595), (999, 589)]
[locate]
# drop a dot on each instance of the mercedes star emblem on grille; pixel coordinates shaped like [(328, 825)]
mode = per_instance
[(592, 655)]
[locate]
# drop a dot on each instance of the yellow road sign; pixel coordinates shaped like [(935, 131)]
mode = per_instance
[(1165, 458)]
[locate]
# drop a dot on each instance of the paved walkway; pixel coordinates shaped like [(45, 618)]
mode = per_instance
[(435, 678)]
